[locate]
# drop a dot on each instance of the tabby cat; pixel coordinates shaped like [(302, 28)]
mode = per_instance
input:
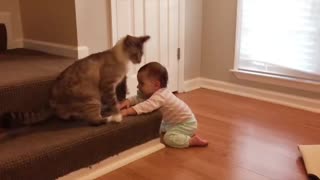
[(83, 88)]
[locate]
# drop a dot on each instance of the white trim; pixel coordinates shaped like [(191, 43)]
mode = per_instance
[(304, 103), (58, 49), (238, 32), (114, 17), (115, 162), (182, 9), (13, 41), (17, 43), (308, 85), (191, 84), (83, 51), (5, 17)]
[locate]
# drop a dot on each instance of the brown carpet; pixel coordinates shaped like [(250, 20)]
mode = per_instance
[(55, 148), (26, 79), (22, 66)]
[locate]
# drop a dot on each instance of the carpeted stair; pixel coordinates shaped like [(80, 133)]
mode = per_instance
[(53, 148)]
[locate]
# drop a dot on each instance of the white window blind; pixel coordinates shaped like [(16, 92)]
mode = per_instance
[(280, 37)]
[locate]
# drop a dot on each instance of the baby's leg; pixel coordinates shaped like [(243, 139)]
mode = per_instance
[(179, 135), (197, 141), (178, 140)]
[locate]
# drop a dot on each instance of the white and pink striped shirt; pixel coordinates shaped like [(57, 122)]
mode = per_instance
[(172, 108)]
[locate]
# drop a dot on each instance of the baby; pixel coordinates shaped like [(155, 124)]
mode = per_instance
[(179, 124)]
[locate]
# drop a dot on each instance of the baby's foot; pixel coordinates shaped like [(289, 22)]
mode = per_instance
[(115, 118), (197, 141)]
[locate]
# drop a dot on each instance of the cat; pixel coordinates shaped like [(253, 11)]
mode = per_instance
[(18, 119), (15, 119), (19, 122), (82, 89)]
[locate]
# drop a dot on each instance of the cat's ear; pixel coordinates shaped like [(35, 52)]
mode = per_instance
[(132, 40), (144, 38), (128, 38)]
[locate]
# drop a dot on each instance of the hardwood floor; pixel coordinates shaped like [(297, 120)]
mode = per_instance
[(248, 140)]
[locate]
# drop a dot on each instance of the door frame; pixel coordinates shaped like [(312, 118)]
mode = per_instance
[(182, 9), (181, 61)]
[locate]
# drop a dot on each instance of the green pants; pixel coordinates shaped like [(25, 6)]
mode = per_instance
[(178, 135)]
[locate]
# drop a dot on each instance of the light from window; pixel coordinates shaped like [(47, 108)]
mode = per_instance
[(280, 37)]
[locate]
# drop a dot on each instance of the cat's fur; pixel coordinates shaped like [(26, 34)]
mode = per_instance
[(16, 119), (82, 89)]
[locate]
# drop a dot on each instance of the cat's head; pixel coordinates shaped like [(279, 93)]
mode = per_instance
[(133, 46)]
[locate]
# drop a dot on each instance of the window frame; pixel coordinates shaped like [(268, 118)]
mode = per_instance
[(291, 82)]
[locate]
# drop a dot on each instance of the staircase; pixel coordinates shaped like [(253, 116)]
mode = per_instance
[(52, 148)]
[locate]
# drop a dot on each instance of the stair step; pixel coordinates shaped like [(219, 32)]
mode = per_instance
[(55, 148)]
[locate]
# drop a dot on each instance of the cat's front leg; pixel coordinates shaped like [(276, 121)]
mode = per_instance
[(115, 115), (110, 101), (115, 118)]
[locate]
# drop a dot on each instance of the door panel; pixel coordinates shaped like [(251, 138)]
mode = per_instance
[(160, 20)]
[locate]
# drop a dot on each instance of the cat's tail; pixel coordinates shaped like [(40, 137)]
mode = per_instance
[(18, 119)]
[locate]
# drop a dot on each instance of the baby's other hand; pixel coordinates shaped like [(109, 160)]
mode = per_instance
[(124, 104)]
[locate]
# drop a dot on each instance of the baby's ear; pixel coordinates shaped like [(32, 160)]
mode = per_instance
[(157, 83)]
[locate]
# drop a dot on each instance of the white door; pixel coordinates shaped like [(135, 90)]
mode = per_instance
[(160, 20)]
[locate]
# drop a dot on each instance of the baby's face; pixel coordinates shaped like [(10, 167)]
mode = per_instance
[(147, 85)]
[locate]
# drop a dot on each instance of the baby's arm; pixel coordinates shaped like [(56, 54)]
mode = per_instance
[(132, 101), (128, 112), (124, 104), (149, 105)]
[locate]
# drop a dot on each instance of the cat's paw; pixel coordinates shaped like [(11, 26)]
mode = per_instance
[(115, 118)]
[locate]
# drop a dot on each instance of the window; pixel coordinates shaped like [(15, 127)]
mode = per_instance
[(279, 37)]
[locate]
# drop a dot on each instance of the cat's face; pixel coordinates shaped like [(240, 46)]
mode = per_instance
[(134, 47)]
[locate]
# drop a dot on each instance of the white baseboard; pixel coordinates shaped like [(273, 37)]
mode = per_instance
[(58, 49), (115, 162), (12, 39), (18, 43), (303, 84), (192, 84), (265, 95)]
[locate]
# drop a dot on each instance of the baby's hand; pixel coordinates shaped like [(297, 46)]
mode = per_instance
[(124, 104), (123, 112), (128, 112)]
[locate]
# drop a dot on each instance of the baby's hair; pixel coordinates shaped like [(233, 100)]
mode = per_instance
[(157, 71)]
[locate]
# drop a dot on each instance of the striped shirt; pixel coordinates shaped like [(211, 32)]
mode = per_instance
[(172, 108)]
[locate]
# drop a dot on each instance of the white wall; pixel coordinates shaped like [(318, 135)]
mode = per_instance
[(93, 24), (193, 39), (10, 15)]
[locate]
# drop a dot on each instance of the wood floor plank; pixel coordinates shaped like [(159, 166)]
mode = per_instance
[(249, 140)]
